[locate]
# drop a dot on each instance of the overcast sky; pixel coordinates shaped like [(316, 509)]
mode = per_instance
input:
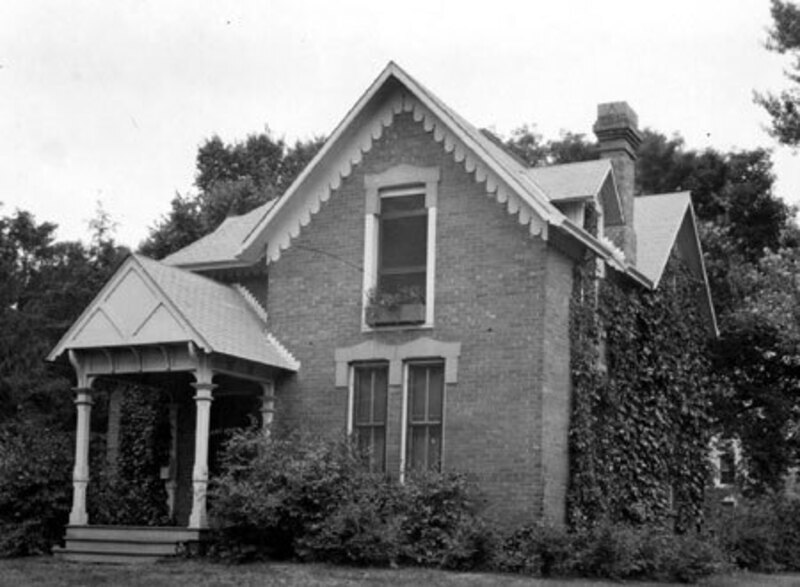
[(108, 101)]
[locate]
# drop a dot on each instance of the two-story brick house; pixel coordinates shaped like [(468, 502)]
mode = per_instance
[(412, 287)]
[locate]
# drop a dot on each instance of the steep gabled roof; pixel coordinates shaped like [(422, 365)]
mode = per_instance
[(662, 222), (392, 93), (221, 246), (147, 302), (578, 181), (571, 180), (528, 193)]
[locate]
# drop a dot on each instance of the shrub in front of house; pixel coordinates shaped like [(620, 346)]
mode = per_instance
[(317, 500), (35, 487), (617, 552), (761, 534)]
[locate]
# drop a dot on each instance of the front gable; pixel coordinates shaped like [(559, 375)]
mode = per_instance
[(131, 310), (392, 94)]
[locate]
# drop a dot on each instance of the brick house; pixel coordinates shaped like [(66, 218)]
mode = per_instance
[(411, 287)]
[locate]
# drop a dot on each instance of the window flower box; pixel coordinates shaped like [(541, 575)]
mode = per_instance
[(398, 315), (395, 309)]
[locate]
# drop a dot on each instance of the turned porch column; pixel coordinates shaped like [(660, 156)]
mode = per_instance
[(80, 474), (267, 406), (199, 517)]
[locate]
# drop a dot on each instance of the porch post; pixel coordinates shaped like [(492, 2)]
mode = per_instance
[(203, 397), (80, 475), (171, 483), (267, 406), (114, 419)]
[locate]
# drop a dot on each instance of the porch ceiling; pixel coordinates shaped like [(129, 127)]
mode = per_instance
[(148, 304)]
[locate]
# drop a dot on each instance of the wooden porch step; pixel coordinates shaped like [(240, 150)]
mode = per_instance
[(68, 554), (136, 547), (134, 533), (124, 544)]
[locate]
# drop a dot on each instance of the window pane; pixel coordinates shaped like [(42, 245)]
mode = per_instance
[(369, 406), (364, 440), (417, 449), (379, 448), (380, 389), (435, 388), (404, 282), (402, 203), (727, 465), (362, 398), (416, 383), (434, 446), (403, 242)]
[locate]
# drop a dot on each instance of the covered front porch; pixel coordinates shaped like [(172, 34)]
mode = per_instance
[(204, 348)]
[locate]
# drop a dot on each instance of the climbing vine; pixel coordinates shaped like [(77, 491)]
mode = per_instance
[(131, 492), (641, 383)]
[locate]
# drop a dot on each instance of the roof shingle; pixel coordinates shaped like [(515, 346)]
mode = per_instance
[(219, 313), (222, 245)]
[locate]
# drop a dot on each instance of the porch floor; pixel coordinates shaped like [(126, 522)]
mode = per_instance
[(125, 544)]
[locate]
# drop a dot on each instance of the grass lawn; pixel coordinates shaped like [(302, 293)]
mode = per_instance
[(48, 572)]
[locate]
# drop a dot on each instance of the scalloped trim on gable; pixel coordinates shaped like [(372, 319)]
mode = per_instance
[(299, 214)]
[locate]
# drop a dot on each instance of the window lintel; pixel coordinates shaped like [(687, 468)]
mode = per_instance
[(401, 176)]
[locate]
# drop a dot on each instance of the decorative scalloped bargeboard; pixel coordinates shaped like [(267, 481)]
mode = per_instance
[(318, 190)]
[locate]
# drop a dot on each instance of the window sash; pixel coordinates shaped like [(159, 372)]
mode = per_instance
[(370, 405), (425, 415), (403, 247)]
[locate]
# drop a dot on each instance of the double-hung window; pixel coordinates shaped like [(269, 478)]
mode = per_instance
[(400, 246), (425, 397), (370, 387), (403, 243), (727, 463)]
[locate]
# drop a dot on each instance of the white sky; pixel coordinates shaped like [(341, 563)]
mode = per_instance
[(106, 100)]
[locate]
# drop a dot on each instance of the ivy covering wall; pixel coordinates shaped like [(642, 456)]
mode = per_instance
[(641, 393), (131, 491)]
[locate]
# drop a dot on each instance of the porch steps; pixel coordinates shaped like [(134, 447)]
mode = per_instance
[(124, 544)]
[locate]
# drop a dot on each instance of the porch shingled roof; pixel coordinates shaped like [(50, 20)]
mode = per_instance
[(213, 315)]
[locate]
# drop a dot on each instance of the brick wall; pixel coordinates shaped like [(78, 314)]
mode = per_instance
[(492, 280)]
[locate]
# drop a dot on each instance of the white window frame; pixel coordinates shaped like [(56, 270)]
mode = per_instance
[(351, 398), (400, 180), (404, 422)]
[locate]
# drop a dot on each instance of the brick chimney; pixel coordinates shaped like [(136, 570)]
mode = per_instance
[(618, 137)]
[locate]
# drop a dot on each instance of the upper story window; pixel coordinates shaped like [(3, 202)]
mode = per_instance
[(400, 247), (403, 243)]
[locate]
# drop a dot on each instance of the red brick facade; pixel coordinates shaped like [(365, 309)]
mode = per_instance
[(499, 292)]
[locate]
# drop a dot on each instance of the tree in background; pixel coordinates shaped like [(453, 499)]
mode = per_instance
[(784, 108), (231, 179), (44, 285)]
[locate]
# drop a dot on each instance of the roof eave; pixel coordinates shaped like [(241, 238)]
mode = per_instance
[(706, 284), (212, 265), (245, 251)]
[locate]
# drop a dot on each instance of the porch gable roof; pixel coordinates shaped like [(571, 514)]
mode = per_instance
[(149, 303)]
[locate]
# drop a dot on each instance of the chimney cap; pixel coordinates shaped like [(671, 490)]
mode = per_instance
[(617, 128), (616, 115)]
